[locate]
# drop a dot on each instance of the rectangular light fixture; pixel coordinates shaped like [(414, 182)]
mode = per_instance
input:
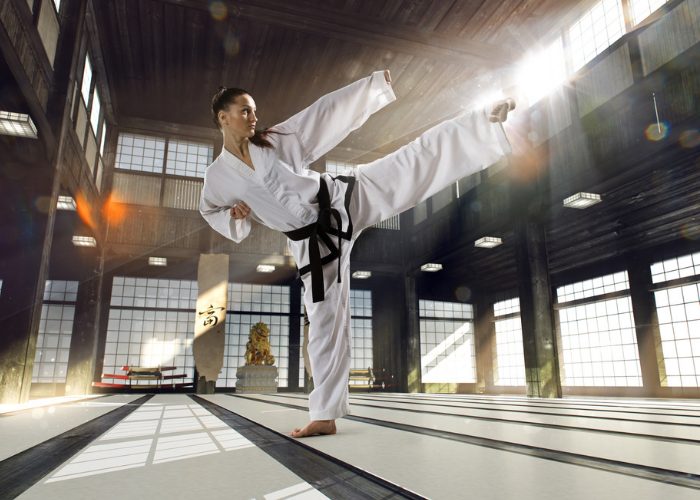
[(84, 241), (65, 203), (157, 261), (582, 200), (265, 268), (431, 267), (362, 275), (17, 124), (488, 242)]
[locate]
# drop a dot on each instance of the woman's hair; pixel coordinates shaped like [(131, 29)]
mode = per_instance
[(225, 97)]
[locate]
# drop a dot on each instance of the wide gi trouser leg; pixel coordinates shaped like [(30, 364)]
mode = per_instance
[(439, 157), (330, 341)]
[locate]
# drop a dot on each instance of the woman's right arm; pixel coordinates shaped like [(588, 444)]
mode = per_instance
[(220, 219)]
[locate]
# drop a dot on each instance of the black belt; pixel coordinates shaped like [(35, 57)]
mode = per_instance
[(322, 229)]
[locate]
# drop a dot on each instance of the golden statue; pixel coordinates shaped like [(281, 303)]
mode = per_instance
[(258, 347)]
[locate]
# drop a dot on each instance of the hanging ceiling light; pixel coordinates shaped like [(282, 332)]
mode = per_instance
[(17, 124), (582, 200), (65, 203), (84, 241), (488, 242), (362, 275), (431, 267)]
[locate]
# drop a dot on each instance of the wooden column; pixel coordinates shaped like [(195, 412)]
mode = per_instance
[(209, 331), (105, 299), (20, 303), (651, 357), (86, 332), (29, 186), (484, 334), (295, 337), (412, 337), (387, 331), (539, 340)]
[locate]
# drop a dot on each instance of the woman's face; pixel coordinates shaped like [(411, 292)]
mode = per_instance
[(239, 118)]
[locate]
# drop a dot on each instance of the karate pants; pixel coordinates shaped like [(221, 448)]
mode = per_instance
[(444, 154)]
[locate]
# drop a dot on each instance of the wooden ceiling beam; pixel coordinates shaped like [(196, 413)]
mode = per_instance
[(351, 27)]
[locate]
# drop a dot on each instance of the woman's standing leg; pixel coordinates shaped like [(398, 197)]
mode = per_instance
[(441, 156), (329, 348)]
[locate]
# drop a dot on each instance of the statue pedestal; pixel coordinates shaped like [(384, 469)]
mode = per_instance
[(256, 379)]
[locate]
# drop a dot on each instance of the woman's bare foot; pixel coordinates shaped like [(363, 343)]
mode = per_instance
[(314, 428)]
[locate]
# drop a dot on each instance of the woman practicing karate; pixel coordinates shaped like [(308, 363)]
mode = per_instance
[(263, 175)]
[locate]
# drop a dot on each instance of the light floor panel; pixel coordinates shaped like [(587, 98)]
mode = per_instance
[(21, 430), (444, 468), (171, 448), (683, 457), (679, 428)]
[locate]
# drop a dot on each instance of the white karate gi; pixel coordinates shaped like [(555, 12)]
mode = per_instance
[(282, 194)]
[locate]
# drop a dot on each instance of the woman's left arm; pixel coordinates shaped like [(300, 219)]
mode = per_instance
[(313, 132)]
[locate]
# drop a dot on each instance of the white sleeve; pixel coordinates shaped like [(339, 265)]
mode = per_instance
[(313, 132), (219, 218)]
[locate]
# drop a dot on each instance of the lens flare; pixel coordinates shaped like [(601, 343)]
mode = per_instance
[(691, 231), (114, 211), (218, 10), (690, 139), (232, 45), (43, 204), (657, 131), (82, 206)]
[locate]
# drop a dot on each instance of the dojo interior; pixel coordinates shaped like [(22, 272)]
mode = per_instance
[(532, 331)]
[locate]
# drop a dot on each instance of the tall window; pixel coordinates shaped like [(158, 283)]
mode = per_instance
[(104, 139), (151, 324), (509, 366), (95, 111), (598, 339), (447, 342), (87, 80), (247, 305), (361, 326), (55, 331), (140, 152), (542, 72), (641, 9), (678, 310), (188, 158), (595, 31), (145, 153)]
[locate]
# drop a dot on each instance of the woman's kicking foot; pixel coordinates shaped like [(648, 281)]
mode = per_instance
[(315, 428)]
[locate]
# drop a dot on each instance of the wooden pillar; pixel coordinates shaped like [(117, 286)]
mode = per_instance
[(209, 330), (646, 322), (105, 298), (86, 332), (411, 344), (22, 289), (387, 331), (484, 334), (29, 186), (539, 339), (295, 337)]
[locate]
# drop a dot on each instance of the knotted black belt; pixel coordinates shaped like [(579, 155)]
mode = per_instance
[(323, 229)]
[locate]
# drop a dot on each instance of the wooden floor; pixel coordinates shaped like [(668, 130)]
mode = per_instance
[(392, 446)]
